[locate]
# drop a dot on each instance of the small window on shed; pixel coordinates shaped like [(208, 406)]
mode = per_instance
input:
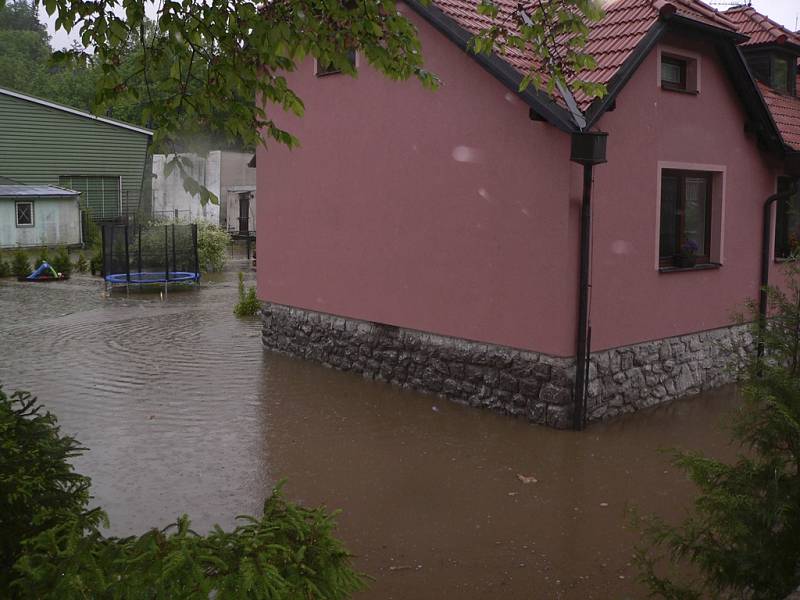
[(24, 214), (330, 69), (679, 73)]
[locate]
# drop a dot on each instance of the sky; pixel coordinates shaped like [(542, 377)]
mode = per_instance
[(785, 12)]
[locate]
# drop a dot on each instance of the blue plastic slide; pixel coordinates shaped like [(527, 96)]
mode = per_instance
[(42, 272)]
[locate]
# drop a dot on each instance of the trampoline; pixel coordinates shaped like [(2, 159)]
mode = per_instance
[(144, 278), (144, 255)]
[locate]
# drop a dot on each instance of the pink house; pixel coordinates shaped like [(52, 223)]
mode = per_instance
[(434, 240)]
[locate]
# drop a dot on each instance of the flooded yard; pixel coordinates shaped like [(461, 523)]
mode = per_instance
[(184, 412)]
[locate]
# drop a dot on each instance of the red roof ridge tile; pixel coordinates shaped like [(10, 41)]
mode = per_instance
[(760, 28)]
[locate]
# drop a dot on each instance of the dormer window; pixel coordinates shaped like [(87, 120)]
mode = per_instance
[(780, 74)]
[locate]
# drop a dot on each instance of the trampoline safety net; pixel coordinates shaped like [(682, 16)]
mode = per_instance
[(136, 254)]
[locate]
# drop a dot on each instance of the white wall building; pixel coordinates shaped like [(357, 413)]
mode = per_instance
[(41, 215), (218, 171)]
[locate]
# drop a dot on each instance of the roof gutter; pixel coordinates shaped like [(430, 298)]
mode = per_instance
[(542, 103)]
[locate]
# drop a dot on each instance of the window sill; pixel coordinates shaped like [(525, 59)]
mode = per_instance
[(680, 91), (702, 267), (784, 259)]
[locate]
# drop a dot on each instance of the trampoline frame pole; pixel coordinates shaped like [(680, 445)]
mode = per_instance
[(196, 256), (103, 266), (127, 262), (103, 241), (174, 260), (139, 258), (127, 258), (166, 252)]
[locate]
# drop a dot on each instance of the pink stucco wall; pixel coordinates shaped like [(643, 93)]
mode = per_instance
[(442, 211), (631, 300), (452, 212)]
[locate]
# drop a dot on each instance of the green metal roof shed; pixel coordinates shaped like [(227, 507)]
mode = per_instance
[(45, 143)]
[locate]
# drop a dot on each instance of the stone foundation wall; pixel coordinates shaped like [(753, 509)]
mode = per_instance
[(643, 375), (520, 383)]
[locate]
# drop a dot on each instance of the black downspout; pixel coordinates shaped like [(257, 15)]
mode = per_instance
[(581, 364), (588, 148), (766, 236)]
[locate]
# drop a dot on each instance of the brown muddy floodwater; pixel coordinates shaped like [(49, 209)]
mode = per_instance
[(184, 412)]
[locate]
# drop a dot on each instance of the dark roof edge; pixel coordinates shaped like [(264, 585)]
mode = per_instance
[(745, 85), (496, 66), (787, 47), (624, 73), (691, 23)]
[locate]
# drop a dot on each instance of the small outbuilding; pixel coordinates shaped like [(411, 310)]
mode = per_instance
[(39, 215)]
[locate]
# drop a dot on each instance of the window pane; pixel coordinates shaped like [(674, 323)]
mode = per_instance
[(696, 214), (787, 237), (671, 72), (669, 207), (780, 74), (24, 213), (99, 194)]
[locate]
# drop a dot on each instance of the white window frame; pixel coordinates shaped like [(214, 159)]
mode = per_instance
[(16, 213), (719, 181), (693, 68)]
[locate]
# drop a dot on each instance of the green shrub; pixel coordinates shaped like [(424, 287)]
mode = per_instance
[(248, 304), (20, 265), (91, 232), (43, 256), (58, 550), (38, 486), (5, 268), (742, 537), (61, 262), (81, 265), (212, 246)]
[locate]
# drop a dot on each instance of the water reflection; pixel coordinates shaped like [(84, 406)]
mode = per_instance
[(184, 412)]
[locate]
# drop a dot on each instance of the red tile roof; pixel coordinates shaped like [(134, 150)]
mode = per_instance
[(611, 40), (785, 111), (760, 28)]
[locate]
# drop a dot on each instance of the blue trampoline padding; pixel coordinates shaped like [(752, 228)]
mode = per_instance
[(155, 277)]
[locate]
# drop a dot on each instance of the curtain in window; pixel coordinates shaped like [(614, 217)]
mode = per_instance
[(695, 213), (669, 208)]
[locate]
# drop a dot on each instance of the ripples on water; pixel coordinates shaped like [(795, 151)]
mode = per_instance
[(183, 411)]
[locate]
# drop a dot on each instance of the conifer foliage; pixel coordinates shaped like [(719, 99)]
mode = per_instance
[(52, 545), (742, 536)]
